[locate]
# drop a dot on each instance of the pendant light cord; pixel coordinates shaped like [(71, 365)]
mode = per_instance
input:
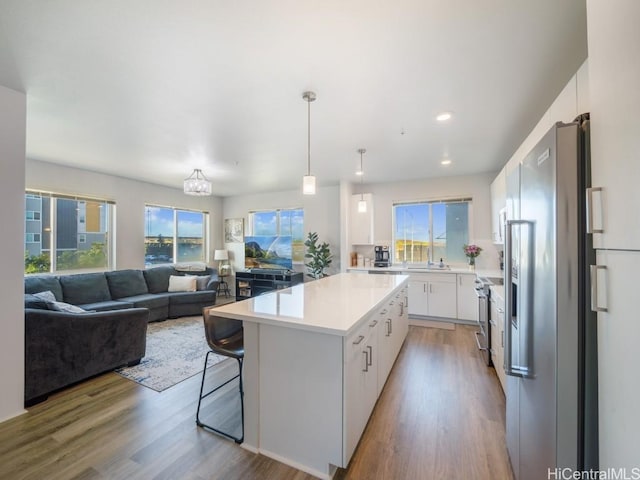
[(308, 136)]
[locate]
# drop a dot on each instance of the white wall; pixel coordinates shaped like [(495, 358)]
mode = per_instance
[(473, 186), (130, 197), (572, 101), (13, 111), (321, 215)]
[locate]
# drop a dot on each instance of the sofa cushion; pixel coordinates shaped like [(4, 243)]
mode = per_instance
[(157, 278), (182, 283), (83, 288), (42, 283), (107, 305), (148, 300), (181, 298), (126, 283)]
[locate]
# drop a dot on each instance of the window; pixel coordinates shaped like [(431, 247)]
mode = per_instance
[(289, 221), (173, 235), (32, 238), (429, 231), (56, 240)]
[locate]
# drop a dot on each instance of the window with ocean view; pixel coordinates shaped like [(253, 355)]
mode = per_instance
[(286, 221), (65, 233), (429, 231), (174, 236)]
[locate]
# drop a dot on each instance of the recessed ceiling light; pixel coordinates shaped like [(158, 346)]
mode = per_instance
[(445, 162), (444, 116), (359, 172)]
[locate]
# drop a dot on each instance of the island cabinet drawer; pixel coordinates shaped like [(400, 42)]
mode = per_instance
[(360, 382)]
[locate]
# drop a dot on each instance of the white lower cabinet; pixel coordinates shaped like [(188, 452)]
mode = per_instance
[(497, 338), (393, 326), (433, 295), (466, 297), (369, 355)]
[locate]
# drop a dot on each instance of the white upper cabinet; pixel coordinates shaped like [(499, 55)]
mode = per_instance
[(498, 206), (614, 79), (361, 223)]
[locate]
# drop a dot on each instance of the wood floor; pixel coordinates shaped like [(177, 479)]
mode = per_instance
[(440, 416)]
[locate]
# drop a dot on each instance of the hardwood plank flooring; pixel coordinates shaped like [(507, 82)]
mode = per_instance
[(440, 416)]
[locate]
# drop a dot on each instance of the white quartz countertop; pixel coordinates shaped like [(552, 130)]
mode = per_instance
[(425, 269), (333, 305)]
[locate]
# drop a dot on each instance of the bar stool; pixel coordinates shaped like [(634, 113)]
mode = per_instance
[(225, 337)]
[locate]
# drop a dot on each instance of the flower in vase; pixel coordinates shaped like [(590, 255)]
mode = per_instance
[(472, 251)]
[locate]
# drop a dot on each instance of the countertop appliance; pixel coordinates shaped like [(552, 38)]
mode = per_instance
[(550, 349), (382, 256)]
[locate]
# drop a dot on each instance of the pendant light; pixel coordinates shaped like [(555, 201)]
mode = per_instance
[(197, 184), (362, 204), (309, 181)]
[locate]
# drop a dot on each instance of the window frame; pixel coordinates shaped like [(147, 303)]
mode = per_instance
[(430, 203), (206, 241), (277, 211), (51, 229)]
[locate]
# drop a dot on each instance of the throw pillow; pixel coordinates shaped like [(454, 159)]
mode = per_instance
[(47, 296), (66, 307), (201, 281), (182, 284), (31, 301)]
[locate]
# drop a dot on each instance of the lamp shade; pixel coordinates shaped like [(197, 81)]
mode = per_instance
[(309, 185), (221, 255)]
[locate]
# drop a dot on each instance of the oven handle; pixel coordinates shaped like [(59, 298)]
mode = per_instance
[(481, 348)]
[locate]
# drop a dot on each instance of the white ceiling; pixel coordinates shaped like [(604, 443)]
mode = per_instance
[(151, 89)]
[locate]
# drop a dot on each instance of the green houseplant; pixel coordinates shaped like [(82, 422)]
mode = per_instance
[(319, 256)]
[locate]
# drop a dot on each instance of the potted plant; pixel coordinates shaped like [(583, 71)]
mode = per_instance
[(472, 251), (319, 255)]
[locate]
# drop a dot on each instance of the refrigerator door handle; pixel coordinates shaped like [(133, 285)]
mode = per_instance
[(589, 212), (524, 324), (593, 271)]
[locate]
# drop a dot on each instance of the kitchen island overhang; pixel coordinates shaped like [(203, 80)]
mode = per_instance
[(316, 358)]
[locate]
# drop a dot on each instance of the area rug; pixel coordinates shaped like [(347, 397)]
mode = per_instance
[(175, 352)]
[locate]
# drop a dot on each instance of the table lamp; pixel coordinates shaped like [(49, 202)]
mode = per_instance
[(222, 256)]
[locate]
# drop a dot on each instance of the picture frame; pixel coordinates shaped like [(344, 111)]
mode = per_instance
[(234, 230)]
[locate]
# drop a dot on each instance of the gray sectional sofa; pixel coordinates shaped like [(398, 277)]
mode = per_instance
[(63, 348)]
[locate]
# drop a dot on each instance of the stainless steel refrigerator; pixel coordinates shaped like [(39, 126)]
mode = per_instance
[(550, 340)]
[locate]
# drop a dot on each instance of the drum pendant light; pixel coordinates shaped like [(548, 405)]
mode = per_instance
[(362, 204), (309, 181)]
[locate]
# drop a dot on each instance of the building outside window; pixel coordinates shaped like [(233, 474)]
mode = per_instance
[(175, 236), (280, 222), (431, 230), (56, 240)]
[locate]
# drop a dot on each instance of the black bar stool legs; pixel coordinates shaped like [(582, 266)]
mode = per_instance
[(225, 337), (209, 427)]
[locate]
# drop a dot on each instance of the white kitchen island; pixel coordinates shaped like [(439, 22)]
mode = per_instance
[(316, 358)]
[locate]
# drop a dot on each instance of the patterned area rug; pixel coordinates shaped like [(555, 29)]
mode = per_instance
[(175, 352)]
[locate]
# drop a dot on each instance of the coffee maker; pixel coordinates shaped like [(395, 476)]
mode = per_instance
[(382, 256)]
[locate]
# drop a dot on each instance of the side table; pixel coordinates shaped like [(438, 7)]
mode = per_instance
[(223, 286)]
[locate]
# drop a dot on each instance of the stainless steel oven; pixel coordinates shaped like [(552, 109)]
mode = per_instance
[(483, 334)]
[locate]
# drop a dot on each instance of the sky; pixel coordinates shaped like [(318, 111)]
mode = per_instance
[(265, 223), (159, 221), (412, 222)]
